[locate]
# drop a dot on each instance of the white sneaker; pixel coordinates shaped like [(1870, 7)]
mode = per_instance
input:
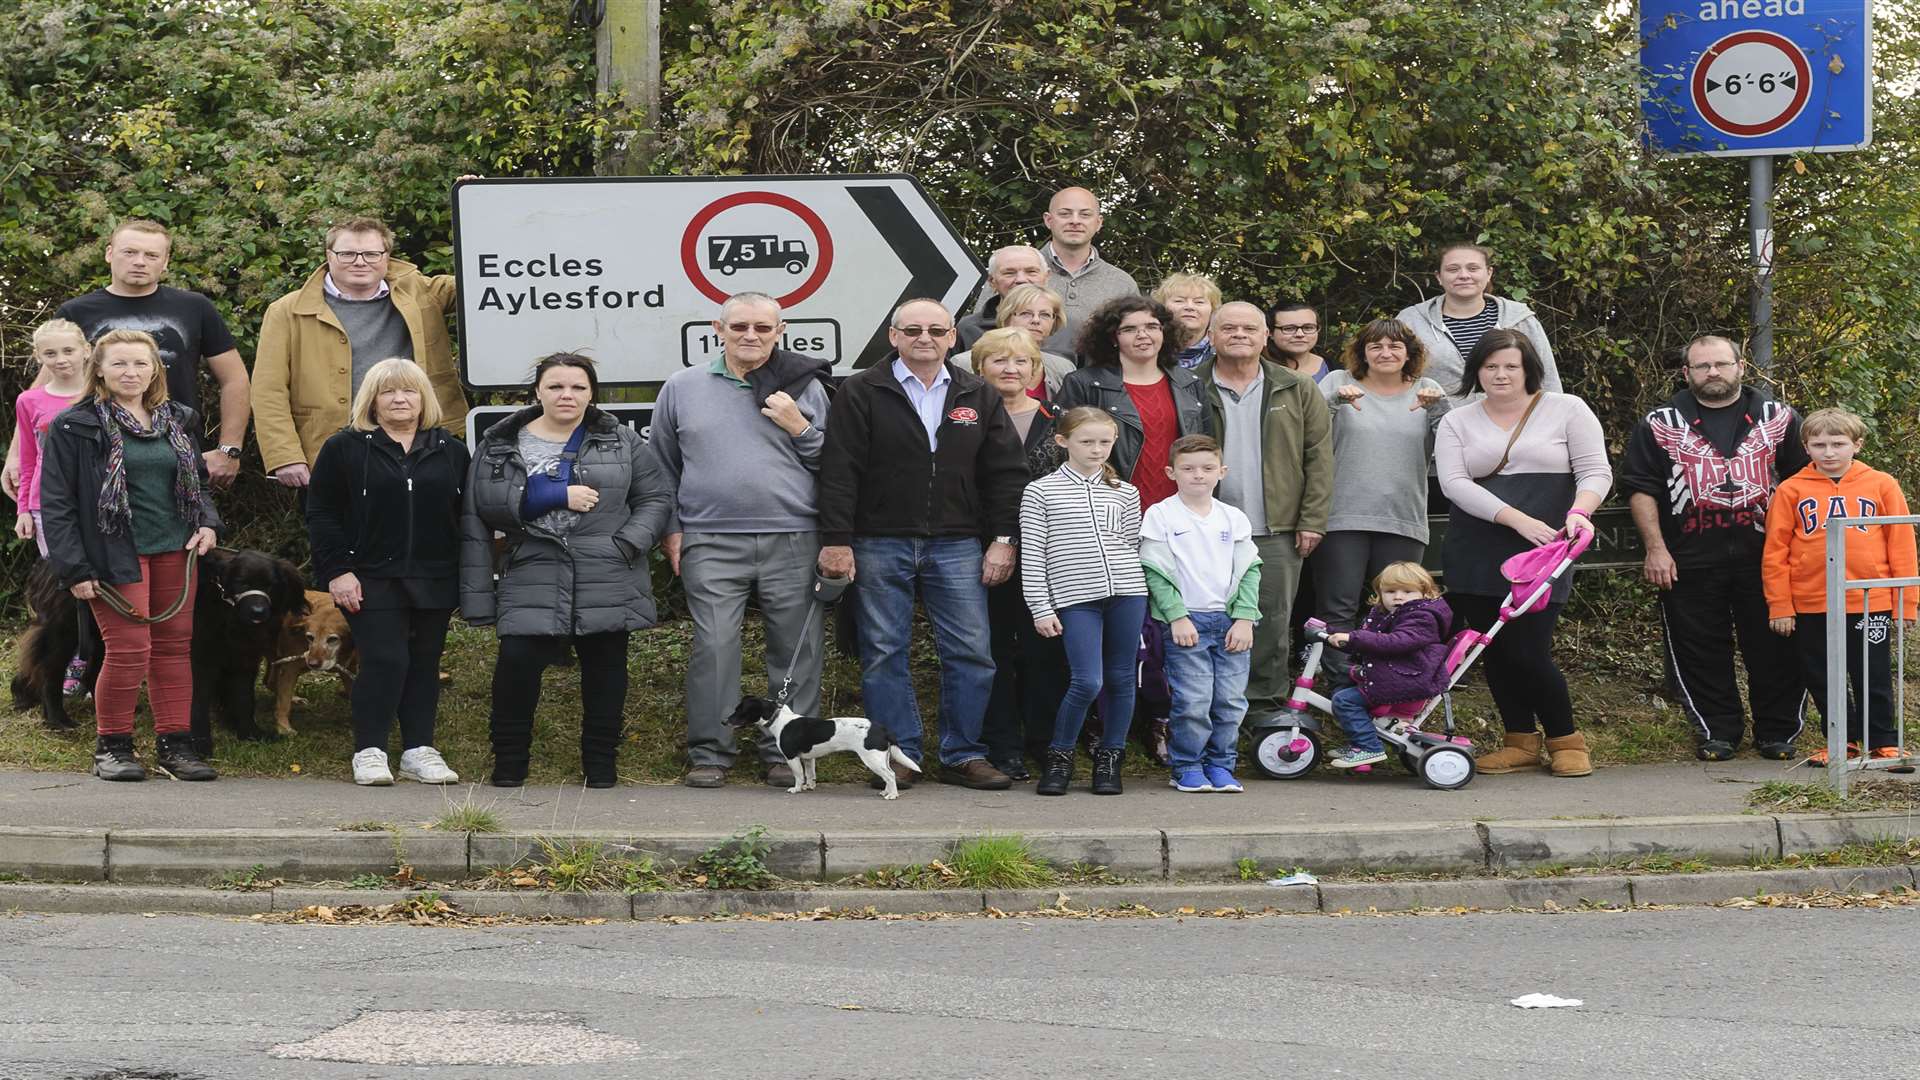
[(425, 765), (370, 768)]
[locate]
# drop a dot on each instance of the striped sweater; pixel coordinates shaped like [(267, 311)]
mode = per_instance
[(1079, 541)]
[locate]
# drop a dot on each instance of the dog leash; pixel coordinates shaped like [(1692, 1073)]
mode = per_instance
[(113, 598), (786, 684)]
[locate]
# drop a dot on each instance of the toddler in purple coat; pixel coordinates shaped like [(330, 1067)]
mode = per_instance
[(1399, 653)]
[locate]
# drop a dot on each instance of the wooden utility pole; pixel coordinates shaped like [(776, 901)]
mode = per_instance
[(627, 57)]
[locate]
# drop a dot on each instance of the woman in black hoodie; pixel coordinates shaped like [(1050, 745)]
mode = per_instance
[(383, 513)]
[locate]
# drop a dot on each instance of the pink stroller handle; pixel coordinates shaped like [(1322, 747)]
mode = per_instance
[(1581, 541)]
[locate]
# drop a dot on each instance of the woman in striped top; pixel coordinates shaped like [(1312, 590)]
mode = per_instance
[(1080, 572)]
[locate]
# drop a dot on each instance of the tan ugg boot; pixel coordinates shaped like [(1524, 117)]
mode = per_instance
[(1520, 751), (1570, 757)]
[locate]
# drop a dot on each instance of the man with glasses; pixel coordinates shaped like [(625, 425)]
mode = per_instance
[(1700, 471), (921, 465), (741, 439), (1075, 269), (183, 323), (1016, 264), (362, 307)]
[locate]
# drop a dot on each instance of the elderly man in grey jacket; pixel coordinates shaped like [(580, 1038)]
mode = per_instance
[(741, 440)]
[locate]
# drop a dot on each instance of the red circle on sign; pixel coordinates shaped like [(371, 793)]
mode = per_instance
[(1801, 92), (690, 244)]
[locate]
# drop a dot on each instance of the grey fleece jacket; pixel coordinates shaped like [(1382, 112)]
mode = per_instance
[(734, 470), (1444, 362)]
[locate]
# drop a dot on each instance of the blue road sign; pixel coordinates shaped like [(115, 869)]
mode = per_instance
[(1735, 78)]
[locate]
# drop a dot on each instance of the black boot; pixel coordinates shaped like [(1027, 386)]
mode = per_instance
[(512, 751), (1056, 774), (175, 756), (113, 759), (1106, 770), (599, 749)]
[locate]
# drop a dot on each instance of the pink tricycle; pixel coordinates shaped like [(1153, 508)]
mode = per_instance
[(1287, 744)]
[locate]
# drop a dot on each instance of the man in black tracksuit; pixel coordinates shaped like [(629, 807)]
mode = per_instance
[(1700, 471), (921, 461)]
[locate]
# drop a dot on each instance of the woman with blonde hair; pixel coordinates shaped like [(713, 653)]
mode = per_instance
[(1039, 311), (1030, 671), (383, 514), (123, 497)]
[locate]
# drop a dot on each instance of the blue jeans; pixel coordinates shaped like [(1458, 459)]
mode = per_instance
[(1351, 709), (1103, 641), (1209, 694), (946, 573)]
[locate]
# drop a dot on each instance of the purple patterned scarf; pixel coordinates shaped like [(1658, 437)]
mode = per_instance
[(116, 511)]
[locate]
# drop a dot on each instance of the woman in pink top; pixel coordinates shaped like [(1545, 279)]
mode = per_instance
[(1518, 465), (61, 350)]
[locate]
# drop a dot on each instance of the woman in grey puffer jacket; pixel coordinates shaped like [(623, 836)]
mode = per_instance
[(580, 501)]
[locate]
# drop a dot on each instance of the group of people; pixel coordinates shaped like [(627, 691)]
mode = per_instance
[(1096, 496)]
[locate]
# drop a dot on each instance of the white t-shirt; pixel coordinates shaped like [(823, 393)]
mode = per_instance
[(1202, 548)]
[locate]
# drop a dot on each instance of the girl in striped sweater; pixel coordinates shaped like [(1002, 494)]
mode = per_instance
[(1080, 573)]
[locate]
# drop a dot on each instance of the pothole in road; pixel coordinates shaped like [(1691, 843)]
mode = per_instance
[(461, 1037)]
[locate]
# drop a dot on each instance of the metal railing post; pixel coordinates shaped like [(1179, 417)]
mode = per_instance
[(1834, 709)]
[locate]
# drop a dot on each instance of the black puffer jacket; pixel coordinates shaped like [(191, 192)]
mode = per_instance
[(73, 465), (375, 512), (593, 580)]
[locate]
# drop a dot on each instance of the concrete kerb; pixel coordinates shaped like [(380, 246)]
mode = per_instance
[(1719, 887), (1722, 838), (793, 855), (1124, 851), (1417, 846), (195, 855), (1806, 834), (54, 854)]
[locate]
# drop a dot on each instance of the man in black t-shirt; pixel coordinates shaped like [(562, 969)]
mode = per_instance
[(185, 324), (1700, 472)]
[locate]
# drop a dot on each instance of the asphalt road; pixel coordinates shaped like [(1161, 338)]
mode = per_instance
[(1692, 993)]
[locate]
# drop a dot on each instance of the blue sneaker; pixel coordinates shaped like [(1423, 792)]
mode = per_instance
[(1222, 780), (1190, 780), (1353, 758)]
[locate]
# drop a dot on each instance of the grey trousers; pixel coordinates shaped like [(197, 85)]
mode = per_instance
[(1344, 566), (1269, 681), (719, 572)]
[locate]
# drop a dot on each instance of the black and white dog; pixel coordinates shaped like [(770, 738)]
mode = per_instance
[(803, 738)]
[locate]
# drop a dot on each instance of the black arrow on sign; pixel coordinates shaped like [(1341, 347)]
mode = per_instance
[(932, 274), (1711, 85), (1788, 80)]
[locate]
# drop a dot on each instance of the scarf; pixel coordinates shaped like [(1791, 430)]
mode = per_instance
[(116, 512)]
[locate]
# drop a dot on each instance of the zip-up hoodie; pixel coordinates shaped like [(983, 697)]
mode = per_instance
[(1713, 499), (1445, 365), (1794, 569), (1079, 541), (376, 511), (877, 477)]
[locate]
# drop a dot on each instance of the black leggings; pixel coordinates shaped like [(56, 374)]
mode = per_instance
[(399, 674), (1527, 686), (603, 691)]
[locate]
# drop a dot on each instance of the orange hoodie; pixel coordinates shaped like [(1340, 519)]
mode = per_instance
[(1794, 567)]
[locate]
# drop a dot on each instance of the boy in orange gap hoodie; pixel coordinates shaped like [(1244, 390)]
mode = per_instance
[(1794, 572)]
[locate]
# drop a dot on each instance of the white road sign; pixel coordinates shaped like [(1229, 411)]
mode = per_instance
[(1752, 83), (632, 270)]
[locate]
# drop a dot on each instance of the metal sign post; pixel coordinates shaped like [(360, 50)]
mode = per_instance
[(1756, 78)]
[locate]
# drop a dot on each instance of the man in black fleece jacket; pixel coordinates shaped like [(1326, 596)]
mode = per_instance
[(921, 462)]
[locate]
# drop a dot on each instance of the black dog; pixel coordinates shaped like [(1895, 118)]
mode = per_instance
[(62, 628), (244, 598)]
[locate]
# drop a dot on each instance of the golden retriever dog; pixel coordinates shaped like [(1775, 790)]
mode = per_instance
[(318, 642)]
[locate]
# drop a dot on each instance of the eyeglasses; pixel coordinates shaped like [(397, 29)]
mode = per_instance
[(1148, 330), (763, 329), (1297, 328), (914, 332), (1717, 365), (359, 256)]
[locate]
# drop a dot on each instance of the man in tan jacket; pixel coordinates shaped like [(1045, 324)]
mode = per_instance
[(362, 307)]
